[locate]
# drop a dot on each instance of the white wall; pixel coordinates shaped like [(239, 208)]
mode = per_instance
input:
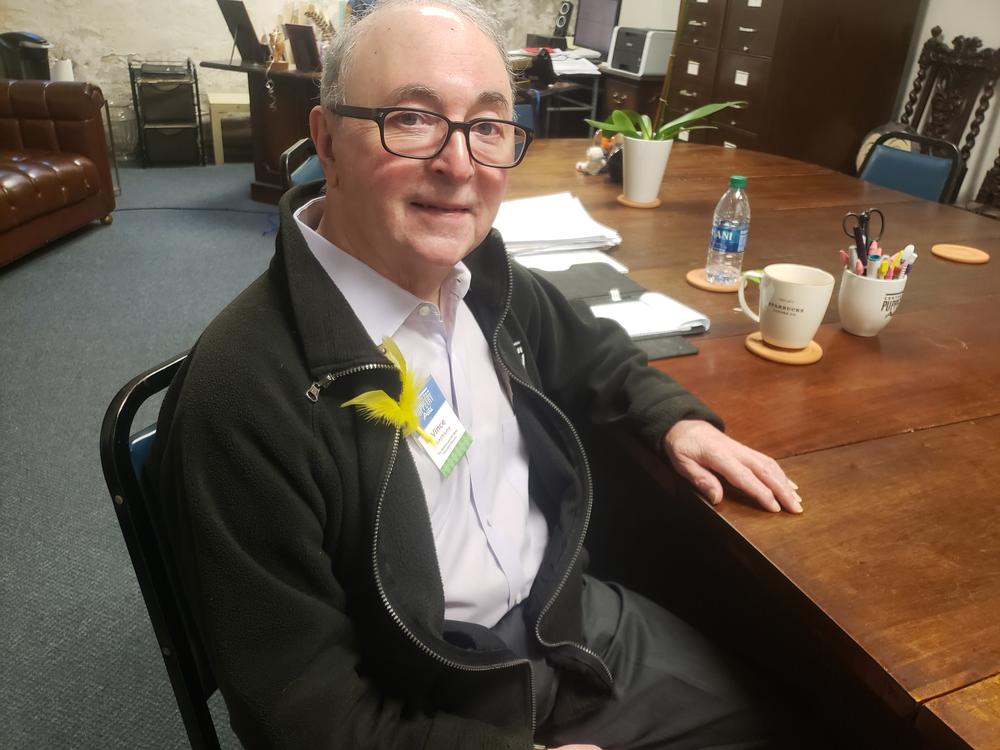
[(101, 35), (980, 18)]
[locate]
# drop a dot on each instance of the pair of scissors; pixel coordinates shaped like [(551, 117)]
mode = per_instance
[(862, 220)]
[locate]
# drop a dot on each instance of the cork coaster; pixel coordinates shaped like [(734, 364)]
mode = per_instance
[(811, 354), (632, 204), (961, 253), (696, 278)]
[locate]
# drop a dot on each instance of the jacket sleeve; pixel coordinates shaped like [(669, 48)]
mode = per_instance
[(245, 498), (592, 370)]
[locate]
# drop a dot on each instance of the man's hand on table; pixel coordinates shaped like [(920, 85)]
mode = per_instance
[(699, 451)]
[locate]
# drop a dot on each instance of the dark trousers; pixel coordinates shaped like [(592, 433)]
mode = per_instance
[(673, 688)]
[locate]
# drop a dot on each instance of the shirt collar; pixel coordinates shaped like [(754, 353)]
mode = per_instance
[(381, 306)]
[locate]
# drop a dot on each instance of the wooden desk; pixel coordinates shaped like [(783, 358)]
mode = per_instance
[(893, 571), (277, 119)]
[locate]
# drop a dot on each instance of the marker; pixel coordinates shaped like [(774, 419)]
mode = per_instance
[(883, 267), (845, 259), (873, 263)]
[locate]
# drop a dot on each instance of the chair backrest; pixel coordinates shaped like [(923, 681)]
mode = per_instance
[(950, 82), (299, 164), (921, 174), (524, 114), (123, 456), (989, 192)]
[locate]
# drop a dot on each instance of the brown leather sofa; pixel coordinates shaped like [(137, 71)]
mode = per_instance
[(55, 174)]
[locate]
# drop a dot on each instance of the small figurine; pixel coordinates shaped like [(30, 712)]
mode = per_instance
[(594, 162)]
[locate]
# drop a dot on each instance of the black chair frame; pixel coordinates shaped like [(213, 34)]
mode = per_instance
[(180, 646)]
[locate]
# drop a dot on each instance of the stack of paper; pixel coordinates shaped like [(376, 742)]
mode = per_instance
[(565, 65), (551, 223)]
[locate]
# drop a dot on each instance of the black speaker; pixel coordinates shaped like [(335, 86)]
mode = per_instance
[(562, 20)]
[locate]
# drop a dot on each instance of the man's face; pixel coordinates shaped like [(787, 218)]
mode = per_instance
[(413, 219)]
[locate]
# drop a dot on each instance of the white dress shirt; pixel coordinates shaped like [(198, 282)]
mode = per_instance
[(488, 533)]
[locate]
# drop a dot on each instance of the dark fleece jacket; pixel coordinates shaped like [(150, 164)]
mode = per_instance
[(300, 532)]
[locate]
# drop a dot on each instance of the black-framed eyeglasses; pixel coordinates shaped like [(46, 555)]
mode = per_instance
[(421, 134)]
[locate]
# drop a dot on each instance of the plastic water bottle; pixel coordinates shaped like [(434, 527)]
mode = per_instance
[(729, 234)]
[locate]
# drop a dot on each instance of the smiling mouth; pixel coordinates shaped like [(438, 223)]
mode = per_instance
[(446, 210)]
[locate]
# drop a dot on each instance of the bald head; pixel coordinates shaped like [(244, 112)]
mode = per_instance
[(340, 63)]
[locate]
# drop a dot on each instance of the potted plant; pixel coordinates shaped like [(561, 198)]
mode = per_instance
[(647, 147)]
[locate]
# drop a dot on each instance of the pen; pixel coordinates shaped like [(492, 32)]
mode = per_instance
[(845, 259), (883, 266), (873, 261)]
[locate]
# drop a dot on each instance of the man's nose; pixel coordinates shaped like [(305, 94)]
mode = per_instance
[(455, 158)]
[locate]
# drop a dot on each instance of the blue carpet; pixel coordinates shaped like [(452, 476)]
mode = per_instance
[(81, 668)]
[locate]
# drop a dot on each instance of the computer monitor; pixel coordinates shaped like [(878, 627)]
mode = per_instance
[(240, 26), (595, 23)]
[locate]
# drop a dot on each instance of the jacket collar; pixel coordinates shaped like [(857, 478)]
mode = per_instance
[(331, 335)]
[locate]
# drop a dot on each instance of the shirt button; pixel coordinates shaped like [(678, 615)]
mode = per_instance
[(424, 311), (489, 522), (517, 599)]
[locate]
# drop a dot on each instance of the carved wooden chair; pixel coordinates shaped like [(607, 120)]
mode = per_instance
[(987, 200), (953, 84)]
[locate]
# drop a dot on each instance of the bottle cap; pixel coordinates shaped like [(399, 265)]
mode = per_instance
[(737, 181)]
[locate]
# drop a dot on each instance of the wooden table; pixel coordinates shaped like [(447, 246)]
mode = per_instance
[(893, 571), (278, 117)]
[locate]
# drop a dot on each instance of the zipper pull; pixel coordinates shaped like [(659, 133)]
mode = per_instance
[(314, 390)]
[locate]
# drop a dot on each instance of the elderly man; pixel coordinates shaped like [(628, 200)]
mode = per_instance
[(415, 580)]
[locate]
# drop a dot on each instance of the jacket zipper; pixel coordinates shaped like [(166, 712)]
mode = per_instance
[(399, 621), (313, 394), (589, 496), (327, 380)]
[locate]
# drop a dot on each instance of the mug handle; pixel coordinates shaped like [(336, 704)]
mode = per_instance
[(755, 277)]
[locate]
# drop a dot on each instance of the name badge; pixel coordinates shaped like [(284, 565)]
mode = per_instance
[(438, 419)]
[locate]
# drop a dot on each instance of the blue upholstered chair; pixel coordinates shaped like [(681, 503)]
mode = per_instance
[(920, 173), (299, 164), (123, 456)]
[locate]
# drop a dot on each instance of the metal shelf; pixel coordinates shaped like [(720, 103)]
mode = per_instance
[(159, 73)]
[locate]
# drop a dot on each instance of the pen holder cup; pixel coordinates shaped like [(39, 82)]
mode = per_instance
[(866, 305)]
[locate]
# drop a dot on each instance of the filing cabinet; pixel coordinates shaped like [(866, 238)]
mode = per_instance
[(631, 92), (814, 80)]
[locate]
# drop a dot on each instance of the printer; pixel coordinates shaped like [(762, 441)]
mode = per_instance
[(640, 52)]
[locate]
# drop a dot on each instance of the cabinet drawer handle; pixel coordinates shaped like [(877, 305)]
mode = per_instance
[(747, 30), (688, 94), (746, 48), (697, 23), (618, 97)]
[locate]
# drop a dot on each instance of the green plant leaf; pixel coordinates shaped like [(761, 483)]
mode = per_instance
[(647, 127), (622, 121), (670, 129)]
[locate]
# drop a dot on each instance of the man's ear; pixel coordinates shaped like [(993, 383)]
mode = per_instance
[(320, 122)]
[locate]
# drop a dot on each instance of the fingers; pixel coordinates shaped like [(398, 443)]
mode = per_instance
[(704, 481), (699, 451), (761, 478)]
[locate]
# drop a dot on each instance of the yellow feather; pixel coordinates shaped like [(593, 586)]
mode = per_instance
[(379, 406), (393, 353)]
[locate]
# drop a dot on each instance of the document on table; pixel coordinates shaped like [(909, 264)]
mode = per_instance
[(565, 260), (551, 223), (653, 314), (566, 65)]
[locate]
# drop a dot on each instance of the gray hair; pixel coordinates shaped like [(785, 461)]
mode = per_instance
[(339, 55)]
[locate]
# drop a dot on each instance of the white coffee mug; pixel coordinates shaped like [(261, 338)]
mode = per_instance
[(793, 301), (866, 305)]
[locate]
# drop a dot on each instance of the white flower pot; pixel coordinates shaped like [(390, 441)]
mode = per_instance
[(643, 165)]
